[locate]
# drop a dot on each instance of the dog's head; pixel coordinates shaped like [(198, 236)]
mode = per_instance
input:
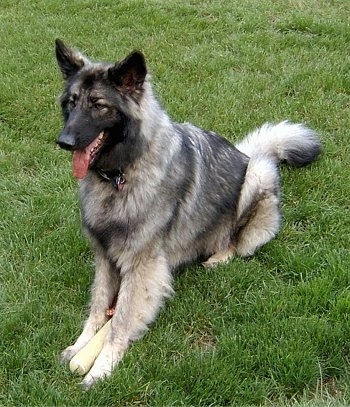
[(96, 103)]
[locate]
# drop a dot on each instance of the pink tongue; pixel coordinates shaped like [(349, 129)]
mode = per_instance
[(81, 160)]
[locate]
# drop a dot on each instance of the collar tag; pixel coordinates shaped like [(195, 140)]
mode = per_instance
[(116, 177), (118, 182)]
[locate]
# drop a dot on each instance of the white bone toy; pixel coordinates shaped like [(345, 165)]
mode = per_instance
[(81, 363)]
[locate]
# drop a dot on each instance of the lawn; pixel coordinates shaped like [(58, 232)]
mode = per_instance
[(272, 330)]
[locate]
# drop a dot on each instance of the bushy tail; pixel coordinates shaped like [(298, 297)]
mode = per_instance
[(294, 143)]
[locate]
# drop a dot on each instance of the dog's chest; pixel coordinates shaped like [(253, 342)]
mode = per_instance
[(107, 213)]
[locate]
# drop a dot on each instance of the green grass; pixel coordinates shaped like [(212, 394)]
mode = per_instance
[(269, 331)]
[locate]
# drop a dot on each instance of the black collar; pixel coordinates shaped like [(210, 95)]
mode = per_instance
[(116, 177), (109, 175)]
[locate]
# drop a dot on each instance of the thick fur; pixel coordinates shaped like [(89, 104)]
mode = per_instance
[(188, 194)]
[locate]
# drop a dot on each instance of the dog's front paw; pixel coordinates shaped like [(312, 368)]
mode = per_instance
[(93, 377), (68, 354), (102, 368), (90, 381)]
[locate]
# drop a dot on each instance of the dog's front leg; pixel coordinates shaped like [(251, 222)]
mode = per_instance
[(104, 289), (141, 294)]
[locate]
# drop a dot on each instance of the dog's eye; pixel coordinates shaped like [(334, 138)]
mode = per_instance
[(72, 101), (99, 106), (71, 104)]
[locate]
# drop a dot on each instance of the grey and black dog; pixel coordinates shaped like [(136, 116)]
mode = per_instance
[(157, 194)]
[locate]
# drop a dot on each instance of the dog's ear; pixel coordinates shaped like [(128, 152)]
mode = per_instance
[(129, 74), (69, 60)]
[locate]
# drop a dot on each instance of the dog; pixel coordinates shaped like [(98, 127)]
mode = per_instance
[(156, 195)]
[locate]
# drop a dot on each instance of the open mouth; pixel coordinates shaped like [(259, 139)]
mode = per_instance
[(84, 159)]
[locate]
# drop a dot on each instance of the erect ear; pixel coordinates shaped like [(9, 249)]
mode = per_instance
[(130, 73), (69, 60)]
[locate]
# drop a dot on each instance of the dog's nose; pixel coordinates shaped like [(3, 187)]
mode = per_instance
[(66, 141)]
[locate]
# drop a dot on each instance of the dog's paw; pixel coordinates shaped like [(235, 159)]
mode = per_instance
[(213, 262), (68, 354), (221, 257), (90, 381), (94, 376), (210, 263), (102, 368)]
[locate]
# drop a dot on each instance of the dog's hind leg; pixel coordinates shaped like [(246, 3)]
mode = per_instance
[(104, 289), (141, 294), (257, 215), (258, 212)]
